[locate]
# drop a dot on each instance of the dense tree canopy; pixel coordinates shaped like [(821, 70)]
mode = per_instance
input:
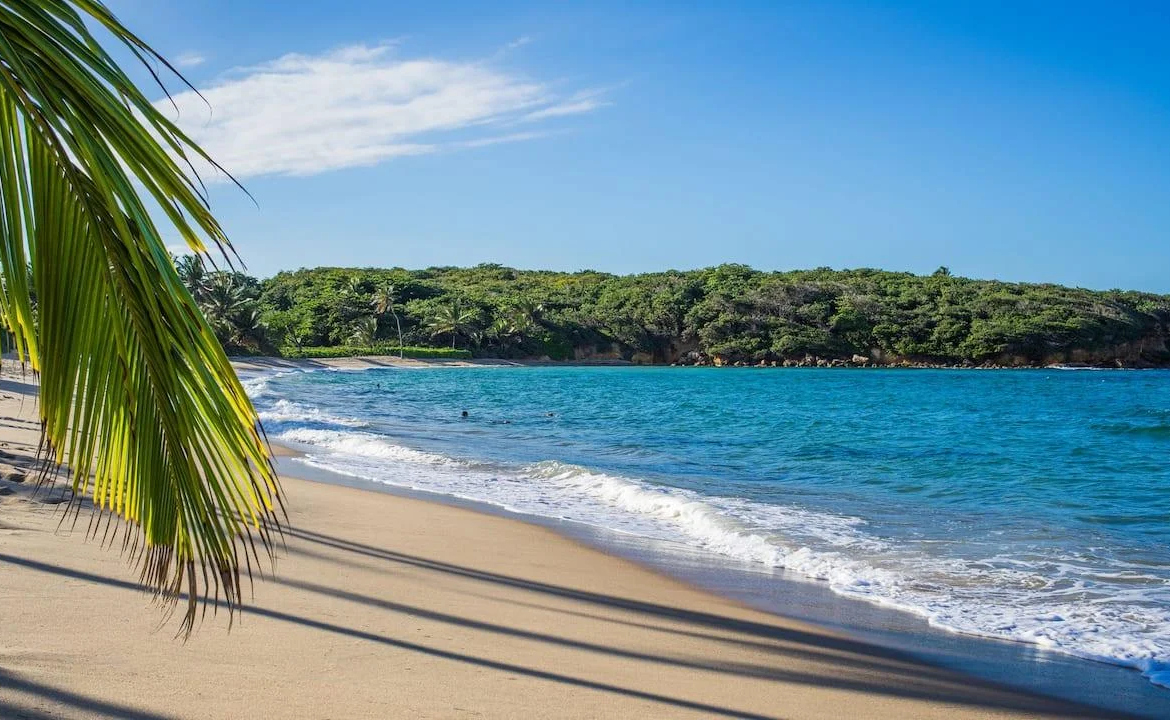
[(730, 312)]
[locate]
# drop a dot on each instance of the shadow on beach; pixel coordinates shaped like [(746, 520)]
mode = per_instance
[(857, 666)]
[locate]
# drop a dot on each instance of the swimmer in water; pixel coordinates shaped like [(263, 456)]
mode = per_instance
[(464, 414)]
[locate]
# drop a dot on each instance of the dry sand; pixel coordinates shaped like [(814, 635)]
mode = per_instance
[(386, 607)]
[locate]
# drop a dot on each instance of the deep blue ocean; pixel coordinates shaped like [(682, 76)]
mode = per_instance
[(1030, 505)]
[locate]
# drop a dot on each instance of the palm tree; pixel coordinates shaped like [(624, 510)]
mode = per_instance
[(354, 286), (501, 330), (365, 332), (383, 302), (526, 315), (136, 394), (248, 329), (223, 301), (231, 309), (516, 323), (193, 273), (450, 319)]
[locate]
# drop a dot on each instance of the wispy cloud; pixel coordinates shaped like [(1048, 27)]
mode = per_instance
[(190, 59), (500, 139), (519, 42), (580, 102), (362, 105)]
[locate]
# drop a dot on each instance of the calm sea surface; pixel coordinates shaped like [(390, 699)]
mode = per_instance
[(1024, 505)]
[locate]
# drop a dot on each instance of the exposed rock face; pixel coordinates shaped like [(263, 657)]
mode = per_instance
[(678, 350), (593, 353), (1150, 351)]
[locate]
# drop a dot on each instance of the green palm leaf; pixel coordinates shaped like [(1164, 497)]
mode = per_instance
[(451, 319), (137, 396)]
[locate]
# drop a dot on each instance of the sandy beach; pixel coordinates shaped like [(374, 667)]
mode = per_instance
[(390, 607)]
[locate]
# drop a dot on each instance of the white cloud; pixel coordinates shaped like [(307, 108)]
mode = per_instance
[(581, 102), (518, 42), (190, 59), (361, 105), (500, 139)]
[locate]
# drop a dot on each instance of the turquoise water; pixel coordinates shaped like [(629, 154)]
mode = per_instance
[(1025, 505)]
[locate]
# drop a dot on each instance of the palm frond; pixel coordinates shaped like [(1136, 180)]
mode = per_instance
[(365, 332), (137, 396)]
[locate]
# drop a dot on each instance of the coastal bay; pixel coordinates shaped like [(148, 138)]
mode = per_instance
[(777, 361), (391, 606), (385, 605)]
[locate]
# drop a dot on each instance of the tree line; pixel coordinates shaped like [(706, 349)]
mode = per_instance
[(729, 313)]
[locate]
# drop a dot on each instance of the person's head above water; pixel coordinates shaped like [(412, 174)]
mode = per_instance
[(464, 413)]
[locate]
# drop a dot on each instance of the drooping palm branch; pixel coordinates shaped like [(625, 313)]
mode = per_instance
[(136, 395)]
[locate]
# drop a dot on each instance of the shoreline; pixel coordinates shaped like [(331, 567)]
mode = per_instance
[(384, 605), (1113, 690), (1062, 673), (262, 363)]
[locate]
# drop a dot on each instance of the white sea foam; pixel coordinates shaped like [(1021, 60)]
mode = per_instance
[(1084, 368), (287, 412), (1047, 602), (256, 386), (362, 445)]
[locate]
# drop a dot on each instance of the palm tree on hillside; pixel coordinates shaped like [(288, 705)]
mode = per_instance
[(515, 323), (501, 330), (526, 313), (248, 329), (222, 301), (136, 394), (383, 302), (365, 332), (231, 309), (451, 319), (354, 285), (193, 273), (524, 317)]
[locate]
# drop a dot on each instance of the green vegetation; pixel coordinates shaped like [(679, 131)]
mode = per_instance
[(727, 314), (135, 393)]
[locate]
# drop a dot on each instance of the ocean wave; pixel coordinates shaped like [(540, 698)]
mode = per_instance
[(285, 412), (700, 521), (740, 529), (1035, 602), (366, 445), (1002, 598), (1082, 368), (256, 386)]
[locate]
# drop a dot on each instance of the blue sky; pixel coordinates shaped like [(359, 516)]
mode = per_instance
[(1022, 141)]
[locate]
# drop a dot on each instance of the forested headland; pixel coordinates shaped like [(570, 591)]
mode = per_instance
[(725, 315)]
